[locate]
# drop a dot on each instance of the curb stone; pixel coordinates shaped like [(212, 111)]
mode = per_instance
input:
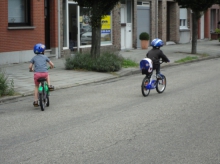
[(132, 71)]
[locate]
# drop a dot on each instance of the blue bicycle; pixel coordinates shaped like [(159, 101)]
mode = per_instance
[(148, 83)]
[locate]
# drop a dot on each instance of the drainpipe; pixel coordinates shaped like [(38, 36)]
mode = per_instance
[(156, 18), (59, 47), (78, 32)]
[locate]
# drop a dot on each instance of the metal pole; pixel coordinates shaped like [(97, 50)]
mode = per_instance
[(59, 47), (78, 32), (156, 18)]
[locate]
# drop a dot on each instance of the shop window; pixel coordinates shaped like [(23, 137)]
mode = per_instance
[(86, 30), (106, 30), (18, 13), (183, 18)]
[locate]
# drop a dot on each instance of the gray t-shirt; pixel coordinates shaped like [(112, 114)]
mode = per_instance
[(40, 63)]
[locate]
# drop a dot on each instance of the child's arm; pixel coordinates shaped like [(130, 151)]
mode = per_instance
[(51, 64), (31, 67)]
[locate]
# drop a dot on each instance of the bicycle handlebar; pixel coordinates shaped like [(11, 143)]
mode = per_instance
[(47, 69), (162, 61)]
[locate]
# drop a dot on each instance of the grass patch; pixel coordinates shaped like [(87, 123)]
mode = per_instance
[(200, 55), (186, 59), (6, 86), (128, 63), (107, 62)]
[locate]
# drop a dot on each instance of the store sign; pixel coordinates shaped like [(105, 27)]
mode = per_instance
[(106, 22)]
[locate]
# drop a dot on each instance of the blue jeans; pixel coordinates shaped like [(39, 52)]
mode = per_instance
[(157, 68)]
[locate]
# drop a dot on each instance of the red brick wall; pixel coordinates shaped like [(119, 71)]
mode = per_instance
[(17, 40), (53, 24)]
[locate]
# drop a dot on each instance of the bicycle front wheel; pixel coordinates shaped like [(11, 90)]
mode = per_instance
[(48, 100), (161, 84), (144, 90)]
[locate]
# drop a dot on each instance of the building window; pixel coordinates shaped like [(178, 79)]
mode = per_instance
[(18, 12), (86, 29), (183, 18)]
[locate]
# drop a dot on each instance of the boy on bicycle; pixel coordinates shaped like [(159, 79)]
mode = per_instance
[(155, 54), (40, 68)]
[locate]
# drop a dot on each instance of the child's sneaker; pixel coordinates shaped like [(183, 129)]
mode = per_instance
[(51, 88), (159, 77), (35, 103)]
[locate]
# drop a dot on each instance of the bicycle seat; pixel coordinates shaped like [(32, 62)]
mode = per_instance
[(41, 79)]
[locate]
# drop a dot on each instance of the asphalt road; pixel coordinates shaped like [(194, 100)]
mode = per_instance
[(111, 122)]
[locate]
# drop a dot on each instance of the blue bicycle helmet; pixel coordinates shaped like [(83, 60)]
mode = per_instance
[(39, 48), (157, 43)]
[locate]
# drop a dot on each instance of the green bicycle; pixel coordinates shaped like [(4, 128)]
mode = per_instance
[(43, 93)]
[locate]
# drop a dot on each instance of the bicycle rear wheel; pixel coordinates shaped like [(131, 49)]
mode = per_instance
[(161, 84), (42, 101), (144, 90)]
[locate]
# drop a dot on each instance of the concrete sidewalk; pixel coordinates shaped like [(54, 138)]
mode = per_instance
[(61, 78)]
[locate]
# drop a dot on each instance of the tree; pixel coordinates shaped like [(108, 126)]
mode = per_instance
[(198, 7), (96, 10)]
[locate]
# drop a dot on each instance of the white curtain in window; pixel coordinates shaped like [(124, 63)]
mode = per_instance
[(16, 11), (183, 13)]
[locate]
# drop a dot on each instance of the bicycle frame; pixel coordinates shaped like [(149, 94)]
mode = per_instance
[(43, 87), (152, 84)]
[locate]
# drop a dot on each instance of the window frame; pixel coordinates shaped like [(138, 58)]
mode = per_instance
[(27, 16), (183, 19)]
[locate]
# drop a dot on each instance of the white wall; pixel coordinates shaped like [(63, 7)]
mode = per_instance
[(16, 57), (184, 36)]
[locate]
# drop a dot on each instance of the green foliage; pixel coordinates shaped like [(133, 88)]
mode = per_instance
[(217, 31), (186, 59), (6, 87), (144, 36), (107, 62), (129, 63), (197, 5)]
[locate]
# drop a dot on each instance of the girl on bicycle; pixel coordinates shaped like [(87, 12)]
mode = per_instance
[(40, 68), (155, 54)]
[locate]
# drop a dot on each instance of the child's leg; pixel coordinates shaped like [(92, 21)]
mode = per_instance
[(48, 80), (36, 93), (158, 69)]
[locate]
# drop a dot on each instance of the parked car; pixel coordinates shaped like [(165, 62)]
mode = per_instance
[(85, 29), (86, 38)]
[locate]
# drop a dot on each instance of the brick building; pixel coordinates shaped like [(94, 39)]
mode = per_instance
[(165, 20), (62, 26), (23, 25)]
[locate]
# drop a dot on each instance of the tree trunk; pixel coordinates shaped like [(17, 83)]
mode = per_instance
[(96, 41), (195, 18)]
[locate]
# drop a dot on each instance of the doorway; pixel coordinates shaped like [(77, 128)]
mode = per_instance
[(143, 21), (126, 24), (73, 27)]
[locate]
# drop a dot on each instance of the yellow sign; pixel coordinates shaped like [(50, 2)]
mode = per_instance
[(106, 22)]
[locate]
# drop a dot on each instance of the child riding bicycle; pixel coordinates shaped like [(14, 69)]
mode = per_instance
[(40, 69), (155, 54)]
